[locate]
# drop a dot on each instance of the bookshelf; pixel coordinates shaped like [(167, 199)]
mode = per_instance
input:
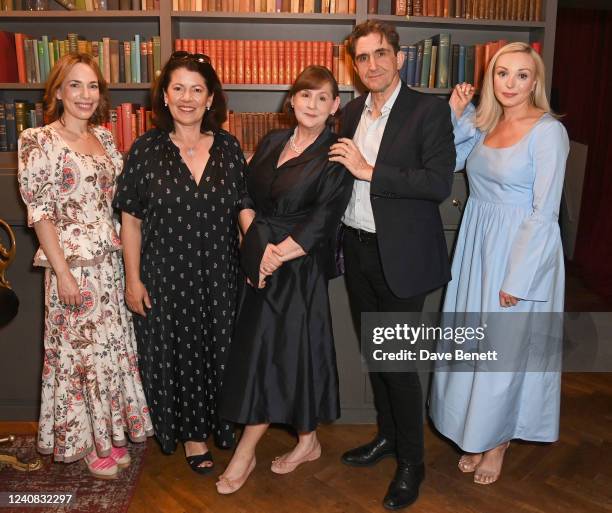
[(170, 25)]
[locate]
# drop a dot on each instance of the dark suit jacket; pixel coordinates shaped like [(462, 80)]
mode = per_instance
[(413, 174)]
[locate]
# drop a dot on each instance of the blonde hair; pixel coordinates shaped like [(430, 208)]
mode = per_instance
[(54, 108), (489, 109)]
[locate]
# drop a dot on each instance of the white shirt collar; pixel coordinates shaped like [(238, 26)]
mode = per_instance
[(390, 101)]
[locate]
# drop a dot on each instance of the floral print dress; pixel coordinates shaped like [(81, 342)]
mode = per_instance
[(91, 388)]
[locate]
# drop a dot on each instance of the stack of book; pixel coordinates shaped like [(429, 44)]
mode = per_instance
[(270, 6), (15, 117), (516, 10), (250, 127), (435, 62), (29, 60), (127, 122), (270, 62), (89, 5)]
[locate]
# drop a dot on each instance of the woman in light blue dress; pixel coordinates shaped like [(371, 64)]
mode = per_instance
[(508, 256)]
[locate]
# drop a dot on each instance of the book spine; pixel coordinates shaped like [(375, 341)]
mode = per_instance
[(433, 67), (11, 126), (372, 6), (144, 67), (443, 58), (427, 44), (455, 73), (461, 65), (126, 125), (3, 141)]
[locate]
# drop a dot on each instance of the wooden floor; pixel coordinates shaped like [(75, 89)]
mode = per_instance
[(572, 475)]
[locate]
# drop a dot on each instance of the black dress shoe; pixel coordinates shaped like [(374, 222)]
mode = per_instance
[(404, 489), (370, 453)]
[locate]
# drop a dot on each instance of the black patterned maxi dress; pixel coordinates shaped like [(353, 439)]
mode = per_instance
[(189, 266)]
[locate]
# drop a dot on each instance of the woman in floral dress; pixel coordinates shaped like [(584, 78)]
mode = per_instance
[(91, 391)]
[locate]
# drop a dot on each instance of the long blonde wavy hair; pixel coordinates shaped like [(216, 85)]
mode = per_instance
[(489, 109)]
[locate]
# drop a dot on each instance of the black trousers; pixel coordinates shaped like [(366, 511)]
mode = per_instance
[(397, 395)]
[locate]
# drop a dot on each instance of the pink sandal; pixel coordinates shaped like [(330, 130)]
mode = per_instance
[(103, 468), (121, 456)]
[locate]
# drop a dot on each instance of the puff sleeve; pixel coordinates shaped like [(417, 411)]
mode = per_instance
[(39, 180)]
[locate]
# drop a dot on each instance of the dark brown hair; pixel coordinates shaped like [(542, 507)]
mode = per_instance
[(386, 30), (213, 118), (311, 77), (54, 108)]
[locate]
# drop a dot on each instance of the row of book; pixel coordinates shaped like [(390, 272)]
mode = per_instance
[(129, 121), (29, 61), (85, 5), (269, 6), (435, 62), (14, 118), (270, 62), (515, 10), (250, 127)]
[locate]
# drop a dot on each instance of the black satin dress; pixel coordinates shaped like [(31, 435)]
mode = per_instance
[(282, 363)]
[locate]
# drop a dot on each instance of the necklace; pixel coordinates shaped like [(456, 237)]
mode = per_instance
[(297, 149), (189, 151)]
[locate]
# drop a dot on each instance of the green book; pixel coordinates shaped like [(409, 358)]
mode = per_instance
[(36, 68), (427, 44), (156, 56), (44, 57), (443, 43), (134, 60)]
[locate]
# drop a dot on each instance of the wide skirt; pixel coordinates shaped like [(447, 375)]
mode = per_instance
[(91, 390), (282, 363)]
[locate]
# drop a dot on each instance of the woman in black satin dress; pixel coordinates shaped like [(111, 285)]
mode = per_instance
[(282, 364)]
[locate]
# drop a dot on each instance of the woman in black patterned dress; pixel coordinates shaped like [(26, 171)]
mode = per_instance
[(180, 196)]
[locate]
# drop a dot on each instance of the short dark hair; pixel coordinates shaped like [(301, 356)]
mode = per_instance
[(311, 77), (386, 30), (213, 119)]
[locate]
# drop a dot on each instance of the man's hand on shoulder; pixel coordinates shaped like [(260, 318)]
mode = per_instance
[(346, 153)]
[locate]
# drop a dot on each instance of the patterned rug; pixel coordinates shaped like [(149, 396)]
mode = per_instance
[(91, 495)]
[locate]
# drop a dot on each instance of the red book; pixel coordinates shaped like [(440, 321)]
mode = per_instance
[(288, 61), (8, 71), (268, 62), (225, 44), (248, 62), (119, 140), (274, 52), (240, 62), (479, 55), (537, 46), (261, 63), (126, 125), (310, 53), (142, 121), (21, 60), (233, 50), (281, 61), (328, 54), (294, 60), (254, 63), (199, 46)]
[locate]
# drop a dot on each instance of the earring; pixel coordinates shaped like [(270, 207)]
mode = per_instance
[(208, 107)]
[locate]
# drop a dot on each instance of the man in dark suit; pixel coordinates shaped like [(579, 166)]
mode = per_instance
[(398, 144)]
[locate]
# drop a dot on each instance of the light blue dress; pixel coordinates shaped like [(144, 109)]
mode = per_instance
[(509, 240)]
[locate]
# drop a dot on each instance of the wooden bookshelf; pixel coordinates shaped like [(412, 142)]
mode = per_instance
[(246, 17), (41, 87), (458, 22), (63, 15)]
